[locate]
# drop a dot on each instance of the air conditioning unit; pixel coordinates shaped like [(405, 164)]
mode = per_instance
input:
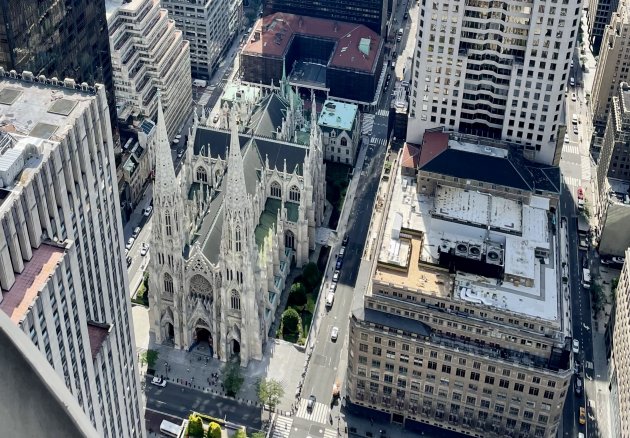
[(494, 255), (461, 249), (474, 251)]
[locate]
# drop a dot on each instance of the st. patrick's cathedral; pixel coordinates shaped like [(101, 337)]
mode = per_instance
[(242, 213)]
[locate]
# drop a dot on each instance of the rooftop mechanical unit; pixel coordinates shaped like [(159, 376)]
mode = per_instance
[(474, 251), (495, 255), (461, 249)]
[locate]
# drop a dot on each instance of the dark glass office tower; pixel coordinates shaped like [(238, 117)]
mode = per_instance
[(371, 13), (58, 38)]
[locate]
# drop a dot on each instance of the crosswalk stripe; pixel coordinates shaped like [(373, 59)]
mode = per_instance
[(382, 112), (571, 149), (572, 181), (319, 413), (330, 433), (282, 428)]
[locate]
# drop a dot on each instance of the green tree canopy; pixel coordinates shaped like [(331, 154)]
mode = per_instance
[(290, 321), (311, 275), (240, 434), (297, 295), (149, 357), (214, 430), (232, 378), (195, 426), (269, 392)]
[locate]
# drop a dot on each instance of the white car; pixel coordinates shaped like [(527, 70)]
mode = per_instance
[(566, 138), (334, 334), (215, 119), (130, 243), (572, 82), (136, 231), (576, 346), (158, 382), (573, 97), (335, 277), (147, 211), (575, 130), (145, 249)]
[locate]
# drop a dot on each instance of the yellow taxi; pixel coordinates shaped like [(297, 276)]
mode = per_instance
[(582, 415)]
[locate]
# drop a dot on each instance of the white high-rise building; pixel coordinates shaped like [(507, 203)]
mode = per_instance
[(149, 54), (63, 281), (496, 69), (209, 25)]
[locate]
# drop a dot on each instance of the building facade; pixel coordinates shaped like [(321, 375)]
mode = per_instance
[(370, 13), (209, 26), (457, 328), (62, 277), (149, 54), (58, 39), (137, 167), (611, 69), (341, 129), (502, 88), (614, 158), (598, 17), (619, 374), (228, 233)]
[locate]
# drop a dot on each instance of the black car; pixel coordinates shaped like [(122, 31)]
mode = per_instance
[(310, 404), (406, 15), (346, 238), (339, 263), (394, 54), (129, 260), (579, 385)]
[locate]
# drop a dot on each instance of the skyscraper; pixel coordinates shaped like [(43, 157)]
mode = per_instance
[(371, 13), (62, 276), (149, 54), (598, 17), (496, 69), (63, 39), (209, 26)]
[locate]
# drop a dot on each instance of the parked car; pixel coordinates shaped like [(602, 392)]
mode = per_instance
[(335, 277), (572, 81), (129, 261), (406, 15), (147, 211), (130, 243), (136, 231), (180, 153), (310, 404), (339, 263), (342, 251), (579, 385), (582, 415), (334, 334), (566, 138), (576, 346), (346, 238), (158, 382), (330, 299), (145, 249), (333, 287)]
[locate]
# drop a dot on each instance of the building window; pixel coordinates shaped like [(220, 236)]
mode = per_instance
[(289, 239), (343, 141), (276, 190), (168, 284), (235, 300), (237, 238), (167, 224), (294, 194), (202, 175)]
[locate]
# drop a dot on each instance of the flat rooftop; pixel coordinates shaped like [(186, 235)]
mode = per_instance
[(40, 110), (420, 226), (356, 46), (338, 115), (17, 300)]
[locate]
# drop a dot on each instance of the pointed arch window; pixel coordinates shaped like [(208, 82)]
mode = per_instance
[(202, 175), (343, 141), (237, 238), (276, 190), (235, 300), (294, 194), (168, 284), (167, 224), (289, 239)]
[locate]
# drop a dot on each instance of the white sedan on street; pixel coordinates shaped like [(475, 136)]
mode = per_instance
[(334, 334), (573, 97), (576, 346), (566, 138), (145, 249), (158, 382)]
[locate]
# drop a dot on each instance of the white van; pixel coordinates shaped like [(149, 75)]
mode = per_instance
[(330, 298)]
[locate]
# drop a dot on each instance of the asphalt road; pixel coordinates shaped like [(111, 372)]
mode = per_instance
[(179, 401)]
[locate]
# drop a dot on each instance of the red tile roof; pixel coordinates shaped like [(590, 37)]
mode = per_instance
[(433, 144), (272, 34), (30, 281), (410, 156)]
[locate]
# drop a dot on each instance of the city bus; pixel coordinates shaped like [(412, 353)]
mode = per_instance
[(170, 429)]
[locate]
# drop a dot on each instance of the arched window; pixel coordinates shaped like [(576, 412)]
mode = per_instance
[(294, 194), (276, 190), (168, 284), (167, 223), (235, 300), (289, 239), (202, 175), (343, 141), (237, 238)]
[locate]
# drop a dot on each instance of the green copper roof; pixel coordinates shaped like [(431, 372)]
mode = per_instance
[(338, 115)]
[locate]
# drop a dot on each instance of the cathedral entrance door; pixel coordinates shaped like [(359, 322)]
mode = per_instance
[(170, 332), (236, 348), (203, 338)]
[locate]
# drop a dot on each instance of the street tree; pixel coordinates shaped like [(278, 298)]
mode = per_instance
[(269, 393), (149, 357), (232, 378)]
